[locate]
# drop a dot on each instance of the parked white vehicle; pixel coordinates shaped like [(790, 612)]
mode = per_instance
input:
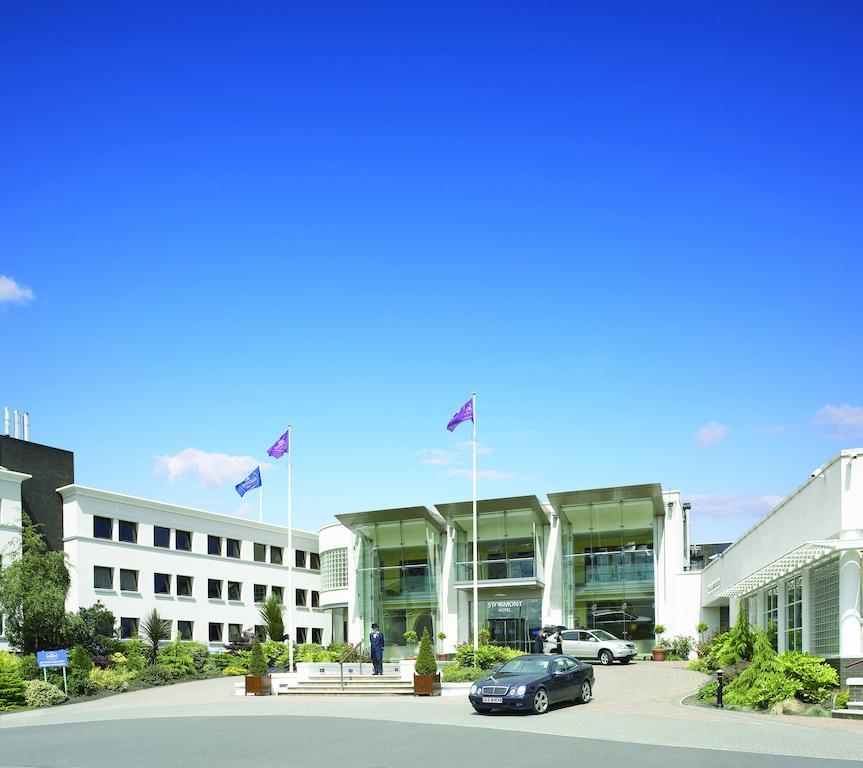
[(595, 644)]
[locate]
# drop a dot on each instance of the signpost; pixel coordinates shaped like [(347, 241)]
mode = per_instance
[(48, 659)]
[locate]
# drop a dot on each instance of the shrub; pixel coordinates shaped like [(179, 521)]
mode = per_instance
[(484, 637), (103, 662), (452, 673), (223, 660), (232, 671), (257, 662), (11, 684), (38, 693), (80, 659), (790, 706), (340, 648), (275, 653), (92, 628), (28, 668), (426, 664), (681, 646), (80, 684), (110, 679), (486, 656), (815, 680), (154, 674), (698, 665), (763, 682), (708, 691), (312, 653), (841, 700), (176, 659)]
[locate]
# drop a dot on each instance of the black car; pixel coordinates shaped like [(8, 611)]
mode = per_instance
[(532, 682)]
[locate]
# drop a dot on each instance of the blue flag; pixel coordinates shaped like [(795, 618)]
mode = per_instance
[(252, 481)]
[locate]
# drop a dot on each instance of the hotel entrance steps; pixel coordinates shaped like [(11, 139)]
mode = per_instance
[(355, 685)]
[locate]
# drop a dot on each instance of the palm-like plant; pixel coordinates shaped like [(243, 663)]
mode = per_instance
[(155, 629), (272, 615)]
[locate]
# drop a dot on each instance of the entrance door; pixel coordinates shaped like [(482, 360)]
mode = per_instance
[(509, 632)]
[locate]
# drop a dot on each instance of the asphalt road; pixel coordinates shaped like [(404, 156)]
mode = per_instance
[(262, 741)]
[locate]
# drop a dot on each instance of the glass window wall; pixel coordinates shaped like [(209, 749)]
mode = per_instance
[(794, 614)]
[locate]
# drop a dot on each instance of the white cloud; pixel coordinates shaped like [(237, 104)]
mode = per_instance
[(846, 420), (731, 504), (12, 293), (246, 509), (441, 457), (209, 469), (711, 433), (482, 474)]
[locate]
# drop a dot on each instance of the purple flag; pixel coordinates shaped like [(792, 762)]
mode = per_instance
[(280, 447), (465, 414)]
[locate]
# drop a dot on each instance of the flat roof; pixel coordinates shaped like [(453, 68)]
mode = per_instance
[(652, 491), (483, 506), (390, 515)]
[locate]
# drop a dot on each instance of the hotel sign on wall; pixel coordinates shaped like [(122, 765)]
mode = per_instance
[(503, 609)]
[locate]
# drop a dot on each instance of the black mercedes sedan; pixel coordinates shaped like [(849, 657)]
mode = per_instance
[(532, 682)]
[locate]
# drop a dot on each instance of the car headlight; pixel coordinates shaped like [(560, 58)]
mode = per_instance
[(473, 688), (520, 690)]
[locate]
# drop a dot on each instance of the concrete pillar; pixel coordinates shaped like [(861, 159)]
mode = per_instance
[(849, 604), (760, 605), (781, 619), (806, 609)]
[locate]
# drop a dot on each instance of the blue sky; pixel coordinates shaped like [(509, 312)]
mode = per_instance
[(635, 231)]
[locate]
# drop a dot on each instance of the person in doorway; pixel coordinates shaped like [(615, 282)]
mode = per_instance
[(539, 641), (557, 640), (376, 650)]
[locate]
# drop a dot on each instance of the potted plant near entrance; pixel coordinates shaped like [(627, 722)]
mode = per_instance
[(441, 636), (426, 676), (410, 639), (700, 628), (659, 650), (258, 681)]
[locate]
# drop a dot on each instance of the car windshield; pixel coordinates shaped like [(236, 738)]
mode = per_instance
[(601, 634), (524, 667)]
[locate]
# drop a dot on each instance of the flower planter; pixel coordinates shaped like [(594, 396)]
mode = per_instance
[(443, 656), (259, 685), (427, 685), (659, 654)]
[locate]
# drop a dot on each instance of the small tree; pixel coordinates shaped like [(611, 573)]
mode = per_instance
[(92, 628), (659, 630), (257, 662), (411, 637), (11, 684), (701, 628), (426, 664), (155, 630), (272, 615), (484, 636)]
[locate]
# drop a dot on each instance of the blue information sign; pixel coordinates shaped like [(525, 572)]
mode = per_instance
[(52, 659)]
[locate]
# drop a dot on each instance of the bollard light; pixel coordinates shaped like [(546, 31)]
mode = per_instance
[(719, 689)]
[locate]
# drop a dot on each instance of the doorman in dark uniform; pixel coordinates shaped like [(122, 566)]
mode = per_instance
[(376, 649)]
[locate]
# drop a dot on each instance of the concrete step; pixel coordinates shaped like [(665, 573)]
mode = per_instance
[(310, 690), (847, 714), (352, 681), (855, 705)]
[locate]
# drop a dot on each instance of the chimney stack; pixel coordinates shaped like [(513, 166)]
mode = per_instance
[(26, 425), (6, 420), (16, 423)]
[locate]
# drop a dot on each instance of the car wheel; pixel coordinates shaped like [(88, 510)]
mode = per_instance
[(540, 702), (626, 660), (586, 693), (481, 710), (605, 658)]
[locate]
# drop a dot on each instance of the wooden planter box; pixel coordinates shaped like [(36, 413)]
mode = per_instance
[(427, 685), (259, 685), (659, 654)]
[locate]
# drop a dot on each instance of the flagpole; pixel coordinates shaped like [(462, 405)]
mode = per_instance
[(261, 503), (291, 596), (475, 561)]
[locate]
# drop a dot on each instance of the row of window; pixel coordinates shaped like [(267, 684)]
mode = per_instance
[(103, 578), (103, 528), (185, 630)]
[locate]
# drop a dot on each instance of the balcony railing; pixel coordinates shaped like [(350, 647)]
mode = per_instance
[(403, 581), (493, 570), (611, 567)]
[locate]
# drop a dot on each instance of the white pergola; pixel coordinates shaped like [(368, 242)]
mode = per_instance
[(806, 554)]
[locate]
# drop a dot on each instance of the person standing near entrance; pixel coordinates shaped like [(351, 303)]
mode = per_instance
[(539, 641), (376, 650)]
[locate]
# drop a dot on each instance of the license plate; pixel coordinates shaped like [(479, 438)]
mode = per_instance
[(492, 699)]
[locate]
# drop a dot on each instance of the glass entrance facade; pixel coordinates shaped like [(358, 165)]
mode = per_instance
[(608, 564)]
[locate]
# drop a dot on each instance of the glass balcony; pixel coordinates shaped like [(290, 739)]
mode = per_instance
[(409, 581), (610, 567), (493, 570)]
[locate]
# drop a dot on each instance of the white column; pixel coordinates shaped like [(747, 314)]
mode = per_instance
[(849, 604), (782, 619), (760, 600), (806, 609)]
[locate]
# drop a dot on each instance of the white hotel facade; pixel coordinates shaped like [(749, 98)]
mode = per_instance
[(614, 558)]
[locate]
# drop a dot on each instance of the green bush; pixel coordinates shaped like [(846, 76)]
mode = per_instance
[(276, 653), (110, 679), (708, 691), (11, 684), (29, 668), (257, 662), (38, 693), (814, 678), (80, 684), (339, 648), (841, 700), (452, 673), (233, 671), (199, 653), (80, 659), (154, 674), (426, 664), (486, 656), (698, 665), (222, 660), (313, 653), (681, 646), (176, 659)]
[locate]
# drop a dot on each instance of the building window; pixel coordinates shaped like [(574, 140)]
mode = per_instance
[(127, 531), (233, 546), (276, 555), (334, 569), (301, 635), (261, 632), (299, 558), (260, 553), (215, 633), (128, 580), (316, 599), (103, 578), (279, 593), (824, 621), (234, 631), (183, 540), (301, 597), (214, 545), (161, 537), (314, 561), (214, 589), (128, 627), (260, 593), (184, 586), (184, 630), (794, 614), (317, 635), (162, 583), (771, 613), (103, 528), (235, 590)]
